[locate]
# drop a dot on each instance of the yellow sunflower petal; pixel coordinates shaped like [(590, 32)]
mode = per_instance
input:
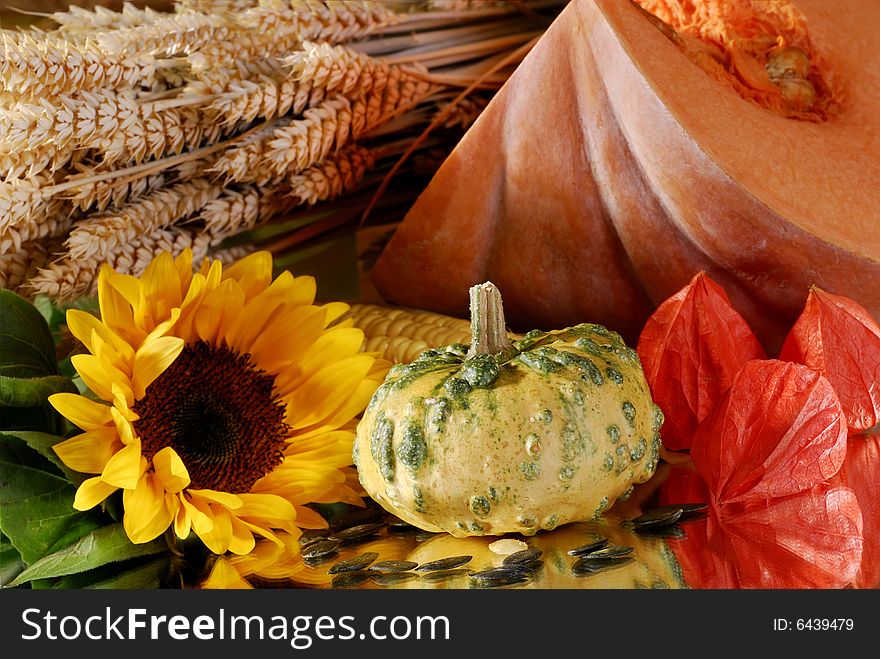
[(160, 284), (147, 512), (129, 288), (116, 311), (124, 429), (335, 310), (253, 273), (224, 577), (165, 326), (182, 520), (152, 359), (84, 325), (299, 291), (124, 468), (213, 273), (89, 452), (242, 541), (91, 492), (219, 537), (199, 513), (219, 307), (288, 337), (339, 342), (307, 518), (247, 326), (81, 411), (170, 469), (270, 508), (225, 499), (183, 264), (98, 375), (189, 308), (326, 391)]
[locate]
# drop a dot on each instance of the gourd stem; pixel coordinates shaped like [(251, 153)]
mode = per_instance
[(488, 330)]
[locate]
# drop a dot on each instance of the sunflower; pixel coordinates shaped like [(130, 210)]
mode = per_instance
[(224, 402)]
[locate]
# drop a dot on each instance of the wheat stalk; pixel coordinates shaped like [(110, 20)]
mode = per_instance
[(68, 278), (105, 233), (53, 66), (18, 265)]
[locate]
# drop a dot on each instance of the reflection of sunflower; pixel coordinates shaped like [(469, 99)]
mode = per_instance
[(284, 562), (228, 401)]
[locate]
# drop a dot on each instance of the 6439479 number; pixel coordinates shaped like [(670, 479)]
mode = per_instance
[(824, 624)]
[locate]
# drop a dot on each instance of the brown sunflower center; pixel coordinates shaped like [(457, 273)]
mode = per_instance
[(219, 413)]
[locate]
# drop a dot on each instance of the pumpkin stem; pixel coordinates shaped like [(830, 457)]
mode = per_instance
[(488, 330)]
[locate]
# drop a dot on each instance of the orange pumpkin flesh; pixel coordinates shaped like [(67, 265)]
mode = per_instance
[(613, 165)]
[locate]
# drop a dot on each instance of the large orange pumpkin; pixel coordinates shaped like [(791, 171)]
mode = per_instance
[(625, 154)]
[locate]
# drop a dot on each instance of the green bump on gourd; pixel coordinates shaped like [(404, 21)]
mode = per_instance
[(538, 362), (613, 434), (457, 387), (629, 413), (566, 473), (639, 450), (412, 450), (614, 375), (480, 371), (622, 462), (530, 470), (657, 418), (480, 506), (626, 495), (418, 499), (381, 446)]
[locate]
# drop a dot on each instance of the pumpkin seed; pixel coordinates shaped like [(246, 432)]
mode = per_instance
[(355, 563), (497, 577), (349, 579), (320, 549), (689, 511), (315, 561), (393, 566), (523, 557), (390, 578), (656, 517), (670, 532), (444, 564), (312, 535), (399, 527), (611, 552), (590, 565), (445, 575), (583, 550), (356, 532)]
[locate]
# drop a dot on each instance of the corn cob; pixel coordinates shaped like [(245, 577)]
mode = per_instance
[(399, 334)]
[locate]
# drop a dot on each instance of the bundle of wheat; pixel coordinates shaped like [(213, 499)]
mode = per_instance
[(126, 133)]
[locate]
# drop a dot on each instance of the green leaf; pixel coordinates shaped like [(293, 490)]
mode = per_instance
[(109, 544), (120, 576), (27, 349), (10, 562), (43, 418), (32, 392), (42, 443), (36, 506)]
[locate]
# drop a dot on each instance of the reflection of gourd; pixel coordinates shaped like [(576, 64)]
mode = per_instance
[(653, 565), (509, 436)]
